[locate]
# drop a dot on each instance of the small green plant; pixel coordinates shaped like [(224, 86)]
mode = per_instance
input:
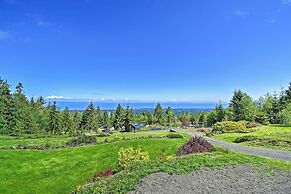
[(130, 156), (174, 135), (245, 138)]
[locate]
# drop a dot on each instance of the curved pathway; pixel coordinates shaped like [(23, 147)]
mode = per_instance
[(276, 154)]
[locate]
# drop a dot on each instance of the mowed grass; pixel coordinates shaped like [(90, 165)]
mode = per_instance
[(128, 179), (273, 137), (5, 143), (148, 134), (8, 141), (61, 170)]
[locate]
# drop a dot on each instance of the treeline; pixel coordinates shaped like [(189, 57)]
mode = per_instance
[(20, 115)]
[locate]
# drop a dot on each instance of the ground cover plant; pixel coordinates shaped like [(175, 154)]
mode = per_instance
[(61, 170), (271, 136), (128, 179)]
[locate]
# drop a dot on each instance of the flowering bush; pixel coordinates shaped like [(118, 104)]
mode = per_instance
[(194, 145), (129, 156)]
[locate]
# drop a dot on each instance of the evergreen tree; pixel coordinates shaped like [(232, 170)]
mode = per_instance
[(7, 109), (53, 117), (128, 118), (23, 113), (67, 122), (118, 122), (149, 118), (99, 119), (158, 114), (287, 95), (106, 120), (220, 112), (170, 116), (77, 117), (242, 106), (87, 121)]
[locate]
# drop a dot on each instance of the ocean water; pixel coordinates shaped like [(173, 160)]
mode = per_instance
[(81, 105)]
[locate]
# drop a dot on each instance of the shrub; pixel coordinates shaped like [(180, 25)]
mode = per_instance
[(98, 175), (245, 138), (103, 134), (195, 145), (81, 140), (174, 135), (130, 156), (230, 127)]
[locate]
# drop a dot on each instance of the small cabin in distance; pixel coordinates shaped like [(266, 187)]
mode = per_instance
[(134, 127)]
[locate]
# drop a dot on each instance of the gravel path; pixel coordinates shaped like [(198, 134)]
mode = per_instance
[(277, 154), (231, 179)]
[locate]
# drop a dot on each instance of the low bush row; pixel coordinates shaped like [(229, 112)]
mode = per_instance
[(81, 140), (245, 138), (88, 140), (174, 135), (263, 141), (234, 127)]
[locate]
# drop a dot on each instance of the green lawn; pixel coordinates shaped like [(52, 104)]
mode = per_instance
[(8, 141), (40, 141), (127, 180), (121, 136), (61, 170), (271, 136)]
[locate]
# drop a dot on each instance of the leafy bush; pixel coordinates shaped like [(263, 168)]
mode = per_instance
[(195, 145), (81, 140), (230, 127), (174, 135), (130, 156), (245, 138)]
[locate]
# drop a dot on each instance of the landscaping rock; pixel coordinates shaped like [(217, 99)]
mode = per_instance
[(231, 179)]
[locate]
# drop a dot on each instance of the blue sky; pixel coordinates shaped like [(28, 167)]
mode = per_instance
[(151, 50)]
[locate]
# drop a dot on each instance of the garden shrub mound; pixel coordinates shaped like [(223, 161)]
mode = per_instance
[(245, 138), (81, 140), (130, 156), (234, 127), (174, 135), (195, 145)]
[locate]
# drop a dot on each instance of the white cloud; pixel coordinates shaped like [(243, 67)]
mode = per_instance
[(241, 13), (57, 97), (4, 35), (42, 23), (272, 21), (286, 2)]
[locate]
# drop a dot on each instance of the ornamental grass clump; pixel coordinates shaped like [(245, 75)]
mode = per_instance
[(130, 156), (196, 144)]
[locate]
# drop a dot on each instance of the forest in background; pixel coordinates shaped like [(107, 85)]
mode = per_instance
[(20, 115)]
